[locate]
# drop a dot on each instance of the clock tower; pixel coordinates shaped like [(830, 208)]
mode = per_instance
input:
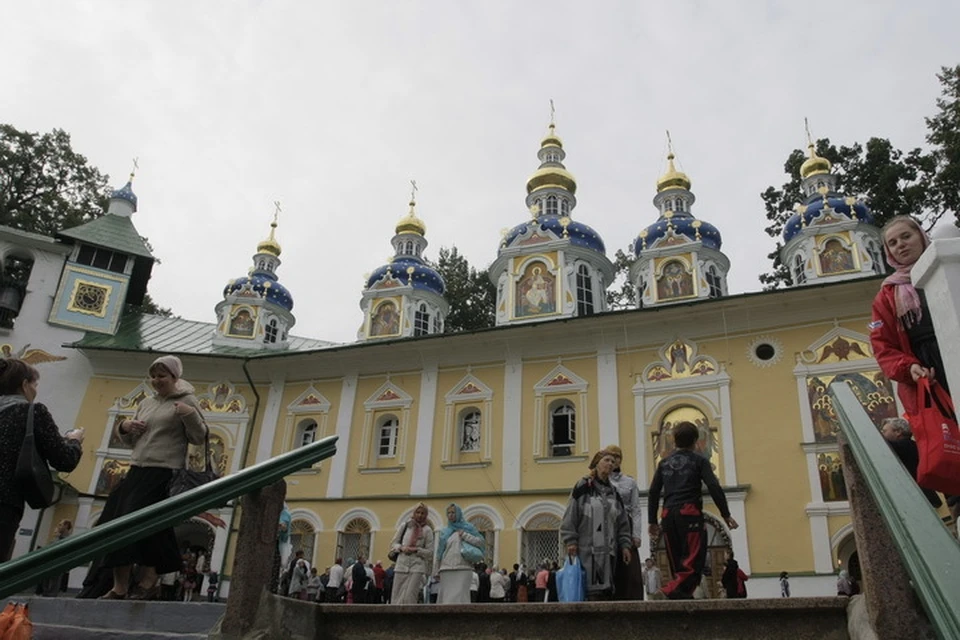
[(107, 269)]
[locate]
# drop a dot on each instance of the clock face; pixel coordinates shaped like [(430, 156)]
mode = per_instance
[(90, 298)]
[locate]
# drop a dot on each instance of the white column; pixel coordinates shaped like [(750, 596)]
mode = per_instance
[(726, 434), (512, 403), (338, 465), (738, 537), (271, 414), (82, 522), (420, 480), (608, 408), (820, 538), (644, 476), (937, 272)]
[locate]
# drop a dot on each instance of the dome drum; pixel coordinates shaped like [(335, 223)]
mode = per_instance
[(564, 228), (687, 226), (409, 271), (816, 213), (266, 287)]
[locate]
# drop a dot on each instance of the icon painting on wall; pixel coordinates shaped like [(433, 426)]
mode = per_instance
[(242, 324), (386, 320), (535, 294), (112, 472), (674, 281), (707, 445), (872, 390), (835, 258), (832, 485)]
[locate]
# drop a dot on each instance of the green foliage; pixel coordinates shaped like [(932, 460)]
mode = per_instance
[(944, 138), (622, 293), (471, 295), (45, 185), (149, 306)]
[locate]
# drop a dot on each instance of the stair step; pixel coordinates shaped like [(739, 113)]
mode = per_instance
[(181, 619), (69, 632)]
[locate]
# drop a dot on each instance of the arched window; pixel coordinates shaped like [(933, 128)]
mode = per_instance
[(563, 434), (713, 282), (302, 538), (681, 205), (489, 533), (261, 263), (306, 433), (436, 323), (540, 540), (551, 205), (387, 437), (409, 247), (707, 445), (875, 256), (584, 291), (421, 320), (354, 539), (417, 248), (799, 276), (270, 331), (470, 422), (564, 207)]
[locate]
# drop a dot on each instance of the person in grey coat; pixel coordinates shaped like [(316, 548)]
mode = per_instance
[(595, 527)]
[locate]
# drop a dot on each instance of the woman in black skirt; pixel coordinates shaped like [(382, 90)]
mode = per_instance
[(159, 433)]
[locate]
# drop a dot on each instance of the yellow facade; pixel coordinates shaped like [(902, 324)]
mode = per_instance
[(472, 418)]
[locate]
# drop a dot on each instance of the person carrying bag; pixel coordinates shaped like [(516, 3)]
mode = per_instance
[(938, 439), (572, 581)]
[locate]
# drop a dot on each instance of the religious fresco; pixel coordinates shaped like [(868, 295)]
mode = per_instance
[(218, 452), (536, 292), (674, 281), (242, 324), (841, 349), (835, 258), (871, 388), (708, 445), (112, 472), (221, 397), (680, 360), (832, 486), (115, 441), (385, 320)]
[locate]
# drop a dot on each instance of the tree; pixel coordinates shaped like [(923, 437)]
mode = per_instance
[(471, 295), (149, 306), (944, 137), (622, 293), (45, 185)]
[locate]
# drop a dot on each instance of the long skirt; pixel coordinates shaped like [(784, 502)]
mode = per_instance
[(455, 586), (142, 487), (407, 587), (628, 578)]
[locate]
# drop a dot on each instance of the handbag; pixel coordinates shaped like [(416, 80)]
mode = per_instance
[(33, 476), (470, 552), (393, 554), (185, 479), (938, 439), (572, 581)]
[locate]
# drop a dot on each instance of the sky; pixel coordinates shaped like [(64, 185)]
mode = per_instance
[(332, 108)]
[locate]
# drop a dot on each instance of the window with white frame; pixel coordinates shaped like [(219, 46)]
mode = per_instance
[(354, 539), (584, 291), (563, 435), (551, 205), (436, 323), (470, 422), (421, 320), (306, 432), (564, 207), (302, 538), (387, 437), (713, 282), (271, 331), (799, 277)]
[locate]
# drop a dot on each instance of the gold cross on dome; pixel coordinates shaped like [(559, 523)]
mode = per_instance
[(136, 165), (553, 113), (277, 210), (413, 191)]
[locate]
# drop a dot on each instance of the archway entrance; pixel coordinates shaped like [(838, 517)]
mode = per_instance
[(195, 535), (718, 542)]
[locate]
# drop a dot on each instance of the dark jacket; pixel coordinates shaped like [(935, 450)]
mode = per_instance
[(906, 450), (680, 478), (61, 454)]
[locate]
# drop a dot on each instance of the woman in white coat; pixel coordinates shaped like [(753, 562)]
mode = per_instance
[(459, 547), (413, 544)]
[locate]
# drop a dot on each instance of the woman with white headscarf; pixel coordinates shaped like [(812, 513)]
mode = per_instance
[(413, 544)]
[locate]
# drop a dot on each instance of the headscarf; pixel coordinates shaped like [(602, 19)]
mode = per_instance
[(844, 584), (171, 364), (417, 527), (596, 460), (905, 295), (458, 524)]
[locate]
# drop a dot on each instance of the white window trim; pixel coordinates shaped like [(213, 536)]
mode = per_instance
[(544, 394), (455, 402), (400, 404)]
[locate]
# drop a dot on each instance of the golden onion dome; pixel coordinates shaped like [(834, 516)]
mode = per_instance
[(270, 245), (672, 179), (552, 177), (551, 139), (410, 223), (814, 165)]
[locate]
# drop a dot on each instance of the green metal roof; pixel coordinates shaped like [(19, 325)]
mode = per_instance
[(142, 332), (112, 232)]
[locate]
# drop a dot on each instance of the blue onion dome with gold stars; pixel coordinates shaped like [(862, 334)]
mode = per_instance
[(262, 278), (674, 199), (125, 193), (579, 234), (823, 200), (407, 265)]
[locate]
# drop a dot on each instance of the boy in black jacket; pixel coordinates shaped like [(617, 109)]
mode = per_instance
[(679, 477)]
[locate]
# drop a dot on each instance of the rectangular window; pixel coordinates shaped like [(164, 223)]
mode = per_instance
[(562, 431), (101, 259), (388, 439), (85, 255), (118, 262)]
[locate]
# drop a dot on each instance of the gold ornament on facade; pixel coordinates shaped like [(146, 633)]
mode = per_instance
[(672, 179), (696, 225), (814, 164), (565, 222), (270, 245)]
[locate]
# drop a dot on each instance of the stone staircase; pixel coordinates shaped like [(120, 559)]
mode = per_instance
[(72, 619), (759, 619)]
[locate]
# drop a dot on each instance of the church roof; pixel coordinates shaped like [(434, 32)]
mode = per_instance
[(144, 332), (116, 233)]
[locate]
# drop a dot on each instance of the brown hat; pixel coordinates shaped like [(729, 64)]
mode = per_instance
[(615, 450), (598, 455)]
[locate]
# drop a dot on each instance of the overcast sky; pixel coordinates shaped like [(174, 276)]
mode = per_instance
[(332, 108)]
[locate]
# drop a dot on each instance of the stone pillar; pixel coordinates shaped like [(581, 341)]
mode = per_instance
[(253, 564), (892, 606), (937, 272)]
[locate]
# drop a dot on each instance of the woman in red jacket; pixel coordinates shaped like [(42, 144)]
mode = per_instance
[(901, 332)]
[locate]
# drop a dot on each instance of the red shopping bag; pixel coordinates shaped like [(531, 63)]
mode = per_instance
[(6, 618), (21, 628), (938, 439)]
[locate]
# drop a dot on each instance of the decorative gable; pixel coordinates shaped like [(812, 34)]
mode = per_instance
[(469, 389), (838, 345), (388, 395), (221, 397), (679, 359), (310, 401), (560, 380)]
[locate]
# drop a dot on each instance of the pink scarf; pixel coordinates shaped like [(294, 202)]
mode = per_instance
[(906, 297)]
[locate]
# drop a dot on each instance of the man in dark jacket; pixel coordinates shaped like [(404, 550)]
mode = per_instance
[(679, 477), (897, 433)]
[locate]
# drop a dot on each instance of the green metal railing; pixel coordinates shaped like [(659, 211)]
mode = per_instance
[(33, 567), (929, 552)]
